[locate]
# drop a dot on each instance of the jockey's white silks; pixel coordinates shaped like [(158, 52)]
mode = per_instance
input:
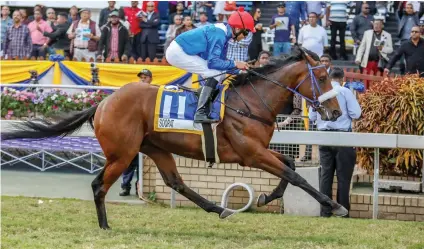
[(191, 63)]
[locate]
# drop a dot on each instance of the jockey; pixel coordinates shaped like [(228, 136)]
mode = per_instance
[(203, 51)]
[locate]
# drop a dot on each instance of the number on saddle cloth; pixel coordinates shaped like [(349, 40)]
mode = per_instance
[(175, 109)]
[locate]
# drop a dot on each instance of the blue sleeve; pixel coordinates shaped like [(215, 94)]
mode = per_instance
[(272, 20), (216, 47), (353, 107), (302, 10)]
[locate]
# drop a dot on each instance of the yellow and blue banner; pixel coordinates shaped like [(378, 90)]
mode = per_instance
[(79, 73)]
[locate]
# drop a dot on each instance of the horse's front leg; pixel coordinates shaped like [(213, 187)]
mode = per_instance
[(268, 162), (278, 192)]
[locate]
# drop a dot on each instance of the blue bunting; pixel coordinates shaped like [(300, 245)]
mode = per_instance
[(72, 76), (355, 85), (56, 57)]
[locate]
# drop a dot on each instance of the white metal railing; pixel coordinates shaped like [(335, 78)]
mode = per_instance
[(342, 139)]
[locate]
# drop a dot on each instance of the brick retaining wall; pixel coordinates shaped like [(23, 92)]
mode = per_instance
[(211, 183), (409, 208)]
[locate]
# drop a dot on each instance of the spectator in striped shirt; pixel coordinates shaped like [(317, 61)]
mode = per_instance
[(18, 39), (6, 22), (239, 50), (337, 20)]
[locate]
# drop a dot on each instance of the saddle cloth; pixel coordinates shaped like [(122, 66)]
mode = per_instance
[(175, 109)]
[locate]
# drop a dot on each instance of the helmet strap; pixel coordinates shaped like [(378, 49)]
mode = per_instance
[(242, 31)]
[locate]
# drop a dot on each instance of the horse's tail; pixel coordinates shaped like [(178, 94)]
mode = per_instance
[(44, 128)]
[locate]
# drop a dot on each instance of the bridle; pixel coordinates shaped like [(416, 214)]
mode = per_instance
[(316, 102)]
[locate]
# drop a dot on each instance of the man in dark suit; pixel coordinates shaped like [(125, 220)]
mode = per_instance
[(58, 38), (149, 34)]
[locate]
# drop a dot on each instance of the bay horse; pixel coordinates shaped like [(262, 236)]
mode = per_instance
[(123, 125)]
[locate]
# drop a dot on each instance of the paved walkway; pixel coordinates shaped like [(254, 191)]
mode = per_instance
[(57, 185)]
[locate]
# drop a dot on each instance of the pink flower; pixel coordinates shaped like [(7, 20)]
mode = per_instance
[(7, 116), (55, 107), (9, 112), (85, 100), (76, 101)]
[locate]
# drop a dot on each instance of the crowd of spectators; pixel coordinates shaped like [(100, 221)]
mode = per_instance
[(133, 31)]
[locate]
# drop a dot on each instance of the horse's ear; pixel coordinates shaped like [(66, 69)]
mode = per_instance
[(304, 52), (308, 57)]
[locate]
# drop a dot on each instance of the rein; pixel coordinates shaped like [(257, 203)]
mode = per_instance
[(315, 102)]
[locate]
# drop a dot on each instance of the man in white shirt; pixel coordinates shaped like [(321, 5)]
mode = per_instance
[(312, 36)]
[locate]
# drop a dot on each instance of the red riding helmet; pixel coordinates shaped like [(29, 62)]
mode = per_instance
[(242, 20)]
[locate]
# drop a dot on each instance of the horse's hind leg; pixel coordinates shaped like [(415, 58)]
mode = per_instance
[(101, 184), (166, 164), (278, 192)]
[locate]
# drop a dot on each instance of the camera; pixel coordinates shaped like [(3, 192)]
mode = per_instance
[(34, 80), (378, 43), (141, 14), (94, 74)]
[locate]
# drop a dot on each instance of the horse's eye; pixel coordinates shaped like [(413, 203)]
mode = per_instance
[(322, 79)]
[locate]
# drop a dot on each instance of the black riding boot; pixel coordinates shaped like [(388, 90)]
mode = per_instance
[(201, 115)]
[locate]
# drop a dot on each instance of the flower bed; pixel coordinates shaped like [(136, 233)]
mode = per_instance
[(26, 104)]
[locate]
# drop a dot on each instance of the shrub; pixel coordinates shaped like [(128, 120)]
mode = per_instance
[(393, 106), (19, 104)]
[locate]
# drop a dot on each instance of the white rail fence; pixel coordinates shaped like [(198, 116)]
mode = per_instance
[(342, 139)]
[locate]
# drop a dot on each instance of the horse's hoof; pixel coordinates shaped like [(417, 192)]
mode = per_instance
[(261, 200), (340, 211), (105, 227), (226, 213)]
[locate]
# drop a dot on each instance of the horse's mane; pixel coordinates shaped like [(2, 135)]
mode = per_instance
[(275, 63)]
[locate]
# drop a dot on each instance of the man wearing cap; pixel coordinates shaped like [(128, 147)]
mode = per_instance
[(84, 35), (284, 26), (145, 76), (114, 41)]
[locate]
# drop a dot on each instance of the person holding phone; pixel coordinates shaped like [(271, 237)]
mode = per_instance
[(376, 45)]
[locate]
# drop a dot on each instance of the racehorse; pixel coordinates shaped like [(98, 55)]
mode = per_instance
[(123, 125)]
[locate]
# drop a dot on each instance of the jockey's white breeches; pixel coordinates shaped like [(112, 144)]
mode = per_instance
[(176, 56)]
